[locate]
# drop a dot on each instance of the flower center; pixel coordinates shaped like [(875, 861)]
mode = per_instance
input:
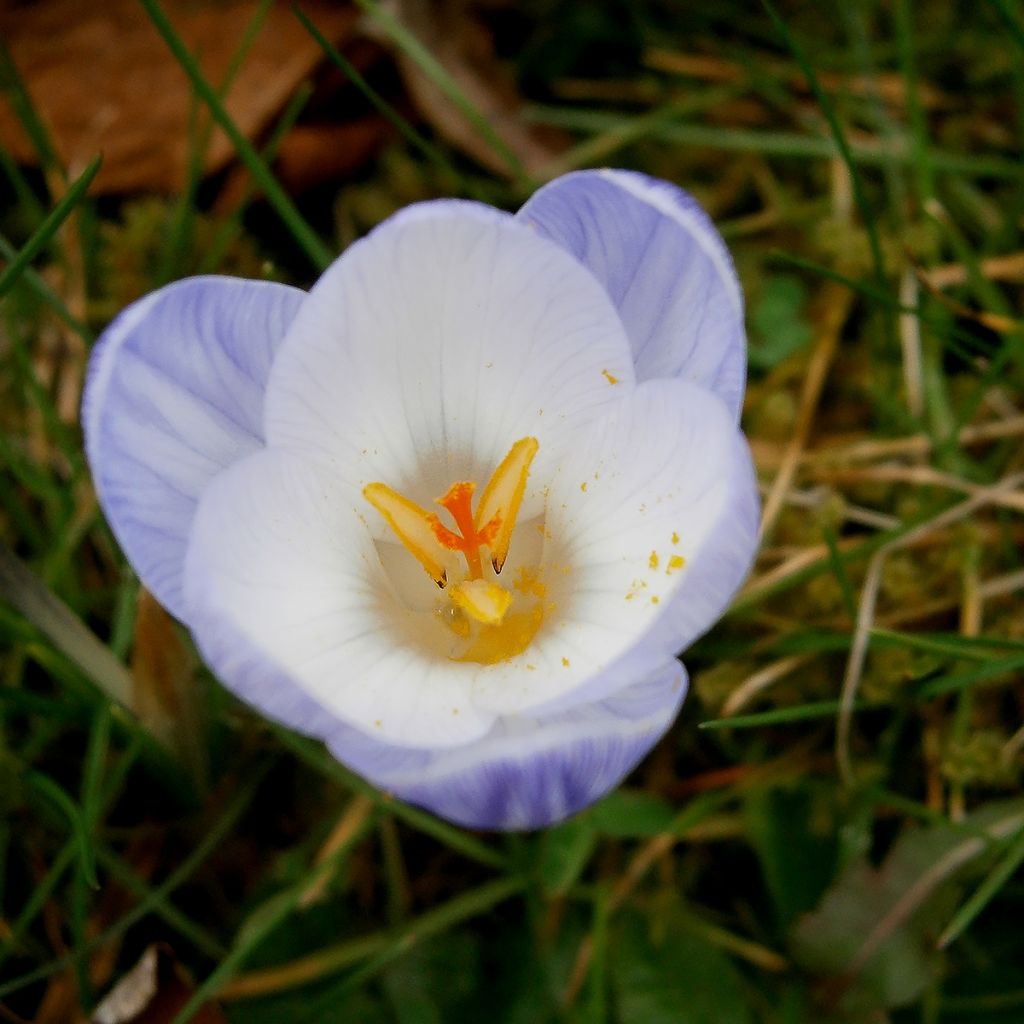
[(477, 604)]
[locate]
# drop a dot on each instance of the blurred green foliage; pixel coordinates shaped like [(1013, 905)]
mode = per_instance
[(862, 158)]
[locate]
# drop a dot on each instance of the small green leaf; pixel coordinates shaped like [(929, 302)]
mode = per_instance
[(564, 854), (422, 988), (632, 814), (876, 929), (778, 326), (793, 832), (673, 978)]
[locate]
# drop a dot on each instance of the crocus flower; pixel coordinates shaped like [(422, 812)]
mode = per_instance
[(455, 510)]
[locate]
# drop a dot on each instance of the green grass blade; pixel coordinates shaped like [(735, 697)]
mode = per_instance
[(950, 645), (21, 103), (783, 144), (840, 573), (601, 147), (860, 195), (79, 829), (65, 630), (985, 892), (219, 829), (184, 214), (34, 210), (46, 293), (1010, 20), (159, 904), (262, 921), (923, 164), (406, 130), (231, 226), (779, 716), (51, 223), (37, 899), (305, 237), (462, 908), (957, 681), (439, 76)]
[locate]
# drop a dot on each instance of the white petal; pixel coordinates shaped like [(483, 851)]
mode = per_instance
[(529, 772), (666, 476), (432, 345), (281, 576), (664, 266), (175, 394)]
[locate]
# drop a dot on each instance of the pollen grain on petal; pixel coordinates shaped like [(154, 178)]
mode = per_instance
[(610, 377), (528, 582), (515, 633)]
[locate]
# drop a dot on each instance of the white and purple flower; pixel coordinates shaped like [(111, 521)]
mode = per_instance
[(271, 461)]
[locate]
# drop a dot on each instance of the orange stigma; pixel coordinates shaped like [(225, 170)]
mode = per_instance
[(428, 539), (469, 539)]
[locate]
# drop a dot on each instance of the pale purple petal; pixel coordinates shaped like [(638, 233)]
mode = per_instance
[(438, 340), (174, 395), (651, 527), (532, 772), (280, 552), (525, 773), (664, 266)]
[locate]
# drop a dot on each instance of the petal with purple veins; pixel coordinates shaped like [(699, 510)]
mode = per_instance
[(174, 395), (664, 266)]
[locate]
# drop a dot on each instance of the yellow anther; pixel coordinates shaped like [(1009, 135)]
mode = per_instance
[(481, 600), (429, 539), (503, 495), (412, 525)]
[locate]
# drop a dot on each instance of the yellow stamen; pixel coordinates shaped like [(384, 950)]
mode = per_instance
[(428, 539), (481, 600), (502, 497), (478, 613), (413, 527)]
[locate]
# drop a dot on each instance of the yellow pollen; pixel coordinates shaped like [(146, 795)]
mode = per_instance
[(481, 600), (675, 537), (529, 582), (611, 378), (675, 563), (493, 644), (652, 562), (565, 663)]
